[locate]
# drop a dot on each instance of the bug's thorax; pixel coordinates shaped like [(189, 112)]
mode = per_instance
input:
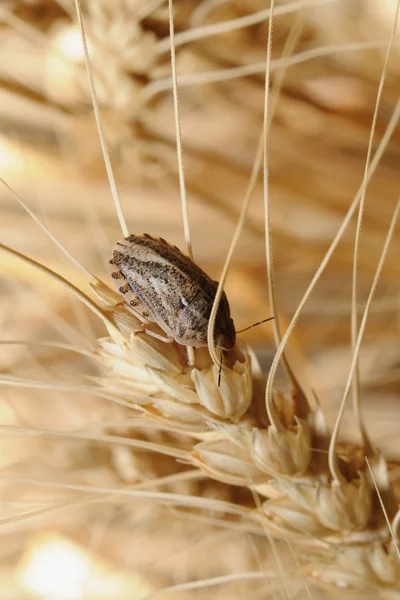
[(166, 287)]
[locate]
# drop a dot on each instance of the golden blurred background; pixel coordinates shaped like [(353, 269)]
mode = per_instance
[(327, 58)]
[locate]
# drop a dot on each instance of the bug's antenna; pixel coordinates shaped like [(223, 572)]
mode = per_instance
[(220, 371), (255, 324)]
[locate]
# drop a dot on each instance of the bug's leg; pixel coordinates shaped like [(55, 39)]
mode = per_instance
[(162, 338), (190, 356)]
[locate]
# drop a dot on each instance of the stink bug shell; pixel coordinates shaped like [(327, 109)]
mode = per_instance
[(168, 288)]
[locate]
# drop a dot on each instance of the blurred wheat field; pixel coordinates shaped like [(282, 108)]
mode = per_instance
[(70, 454)]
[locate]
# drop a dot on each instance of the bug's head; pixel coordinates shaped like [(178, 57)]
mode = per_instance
[(224, 331), (225, 334)]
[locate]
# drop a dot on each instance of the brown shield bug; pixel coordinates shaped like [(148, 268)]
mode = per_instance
[(166, 287)]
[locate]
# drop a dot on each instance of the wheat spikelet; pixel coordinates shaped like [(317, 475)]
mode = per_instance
[(353, 548)]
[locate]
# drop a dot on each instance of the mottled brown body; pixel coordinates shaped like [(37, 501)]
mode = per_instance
[(168, 288)]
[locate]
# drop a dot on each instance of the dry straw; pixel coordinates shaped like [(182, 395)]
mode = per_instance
[(283, 474)]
